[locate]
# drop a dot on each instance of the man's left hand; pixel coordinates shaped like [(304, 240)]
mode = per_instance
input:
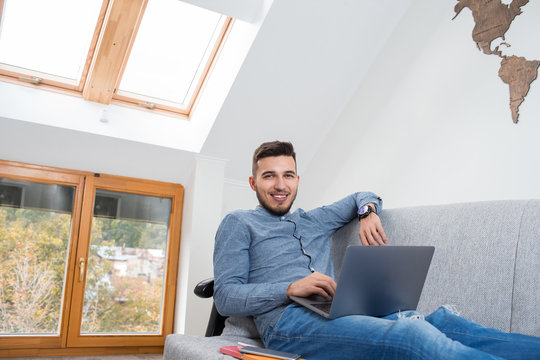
[(371, 231)]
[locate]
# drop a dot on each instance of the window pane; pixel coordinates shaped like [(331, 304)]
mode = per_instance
[(126, 264), (173, 45), (52, 37), (35, 223)]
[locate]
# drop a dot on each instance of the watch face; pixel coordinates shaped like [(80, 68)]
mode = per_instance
[(364, 209)]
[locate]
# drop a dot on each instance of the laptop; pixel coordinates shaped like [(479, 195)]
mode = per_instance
[(375, 281)]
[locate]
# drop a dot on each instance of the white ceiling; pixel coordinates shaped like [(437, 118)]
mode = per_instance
[(304, 65), (306, 61)]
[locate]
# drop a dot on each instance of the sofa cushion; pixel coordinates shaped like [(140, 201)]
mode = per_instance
[(526, 291), (474, 260), (190, 347), (240, 326)]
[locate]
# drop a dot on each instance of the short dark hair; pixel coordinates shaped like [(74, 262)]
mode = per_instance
[(272, 148)]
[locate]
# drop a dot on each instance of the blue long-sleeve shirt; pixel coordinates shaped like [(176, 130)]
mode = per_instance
[(257, 255)]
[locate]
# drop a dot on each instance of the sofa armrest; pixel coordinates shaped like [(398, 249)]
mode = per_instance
[(205, 288)]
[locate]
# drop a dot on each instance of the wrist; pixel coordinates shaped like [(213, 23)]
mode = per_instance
[(289, 289)]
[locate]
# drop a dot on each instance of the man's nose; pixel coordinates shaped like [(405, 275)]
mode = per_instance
[(280, 183)]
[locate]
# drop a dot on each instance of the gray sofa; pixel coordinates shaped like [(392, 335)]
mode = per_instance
[(486, 264)]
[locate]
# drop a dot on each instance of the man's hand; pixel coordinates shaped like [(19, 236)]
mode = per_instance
[(315, 283), (371, 231)]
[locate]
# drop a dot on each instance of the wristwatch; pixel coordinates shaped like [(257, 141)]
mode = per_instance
[(364, 211)]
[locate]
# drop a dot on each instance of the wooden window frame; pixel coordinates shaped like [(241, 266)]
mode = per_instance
[(113, 39), (69, 341)]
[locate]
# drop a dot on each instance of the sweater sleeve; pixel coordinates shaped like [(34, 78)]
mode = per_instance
[(233, 295)]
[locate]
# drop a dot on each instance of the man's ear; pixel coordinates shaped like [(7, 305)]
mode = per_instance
[(252, 183)]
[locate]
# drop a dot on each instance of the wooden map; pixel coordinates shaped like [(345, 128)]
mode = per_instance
[(492, 20)]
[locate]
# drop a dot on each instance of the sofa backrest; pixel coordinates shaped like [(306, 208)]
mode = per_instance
[(486, 261)]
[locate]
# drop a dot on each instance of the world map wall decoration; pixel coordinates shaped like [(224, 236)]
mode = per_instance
[(492, 20)]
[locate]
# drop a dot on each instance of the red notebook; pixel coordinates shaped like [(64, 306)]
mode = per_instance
[(235, 351), (232, 351)]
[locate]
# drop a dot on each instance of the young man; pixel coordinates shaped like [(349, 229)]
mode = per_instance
[(265, 255)]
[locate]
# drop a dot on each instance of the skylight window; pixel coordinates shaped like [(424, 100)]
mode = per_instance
[(51, 37), (166, 68), (150, 53)]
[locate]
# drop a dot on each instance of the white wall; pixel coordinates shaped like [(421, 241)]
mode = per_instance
[(298, 76), (430, 123), (202, 215), (50, 146), (238, 195)]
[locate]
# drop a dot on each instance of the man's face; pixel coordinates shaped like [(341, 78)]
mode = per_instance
[(275, 183)]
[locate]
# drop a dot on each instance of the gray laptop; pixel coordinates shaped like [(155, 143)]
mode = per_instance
[(375, 281)]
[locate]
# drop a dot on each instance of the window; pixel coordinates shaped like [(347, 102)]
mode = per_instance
[(153, 54), (87, 261), (35, 223)]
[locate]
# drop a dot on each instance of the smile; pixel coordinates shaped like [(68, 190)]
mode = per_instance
[(279, 197)]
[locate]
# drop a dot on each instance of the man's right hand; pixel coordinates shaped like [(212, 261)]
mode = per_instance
[(315, 283)]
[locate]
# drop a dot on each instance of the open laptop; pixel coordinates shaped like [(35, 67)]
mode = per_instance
[(375, 281)]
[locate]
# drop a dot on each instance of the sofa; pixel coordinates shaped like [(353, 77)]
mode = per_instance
[(486, 265)]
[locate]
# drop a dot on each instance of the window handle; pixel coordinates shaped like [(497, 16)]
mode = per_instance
[(147, 105), (81, 269), (33, 80)]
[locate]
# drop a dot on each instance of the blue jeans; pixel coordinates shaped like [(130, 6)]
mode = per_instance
[(441, 335)]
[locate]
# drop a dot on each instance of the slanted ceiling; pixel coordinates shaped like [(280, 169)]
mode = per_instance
[(306, 60)]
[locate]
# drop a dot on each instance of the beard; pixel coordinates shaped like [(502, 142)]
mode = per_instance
[(275, 210)]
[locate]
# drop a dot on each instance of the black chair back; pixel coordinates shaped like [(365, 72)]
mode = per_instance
[(216, 322)]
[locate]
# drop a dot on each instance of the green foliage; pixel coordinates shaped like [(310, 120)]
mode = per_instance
[(120, 303), (32, 262), (131, 234), (33, 251)]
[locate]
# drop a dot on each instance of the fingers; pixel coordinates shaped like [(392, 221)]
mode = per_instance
[(320, 284), (371, 231), (315, 283), (383, 234)]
